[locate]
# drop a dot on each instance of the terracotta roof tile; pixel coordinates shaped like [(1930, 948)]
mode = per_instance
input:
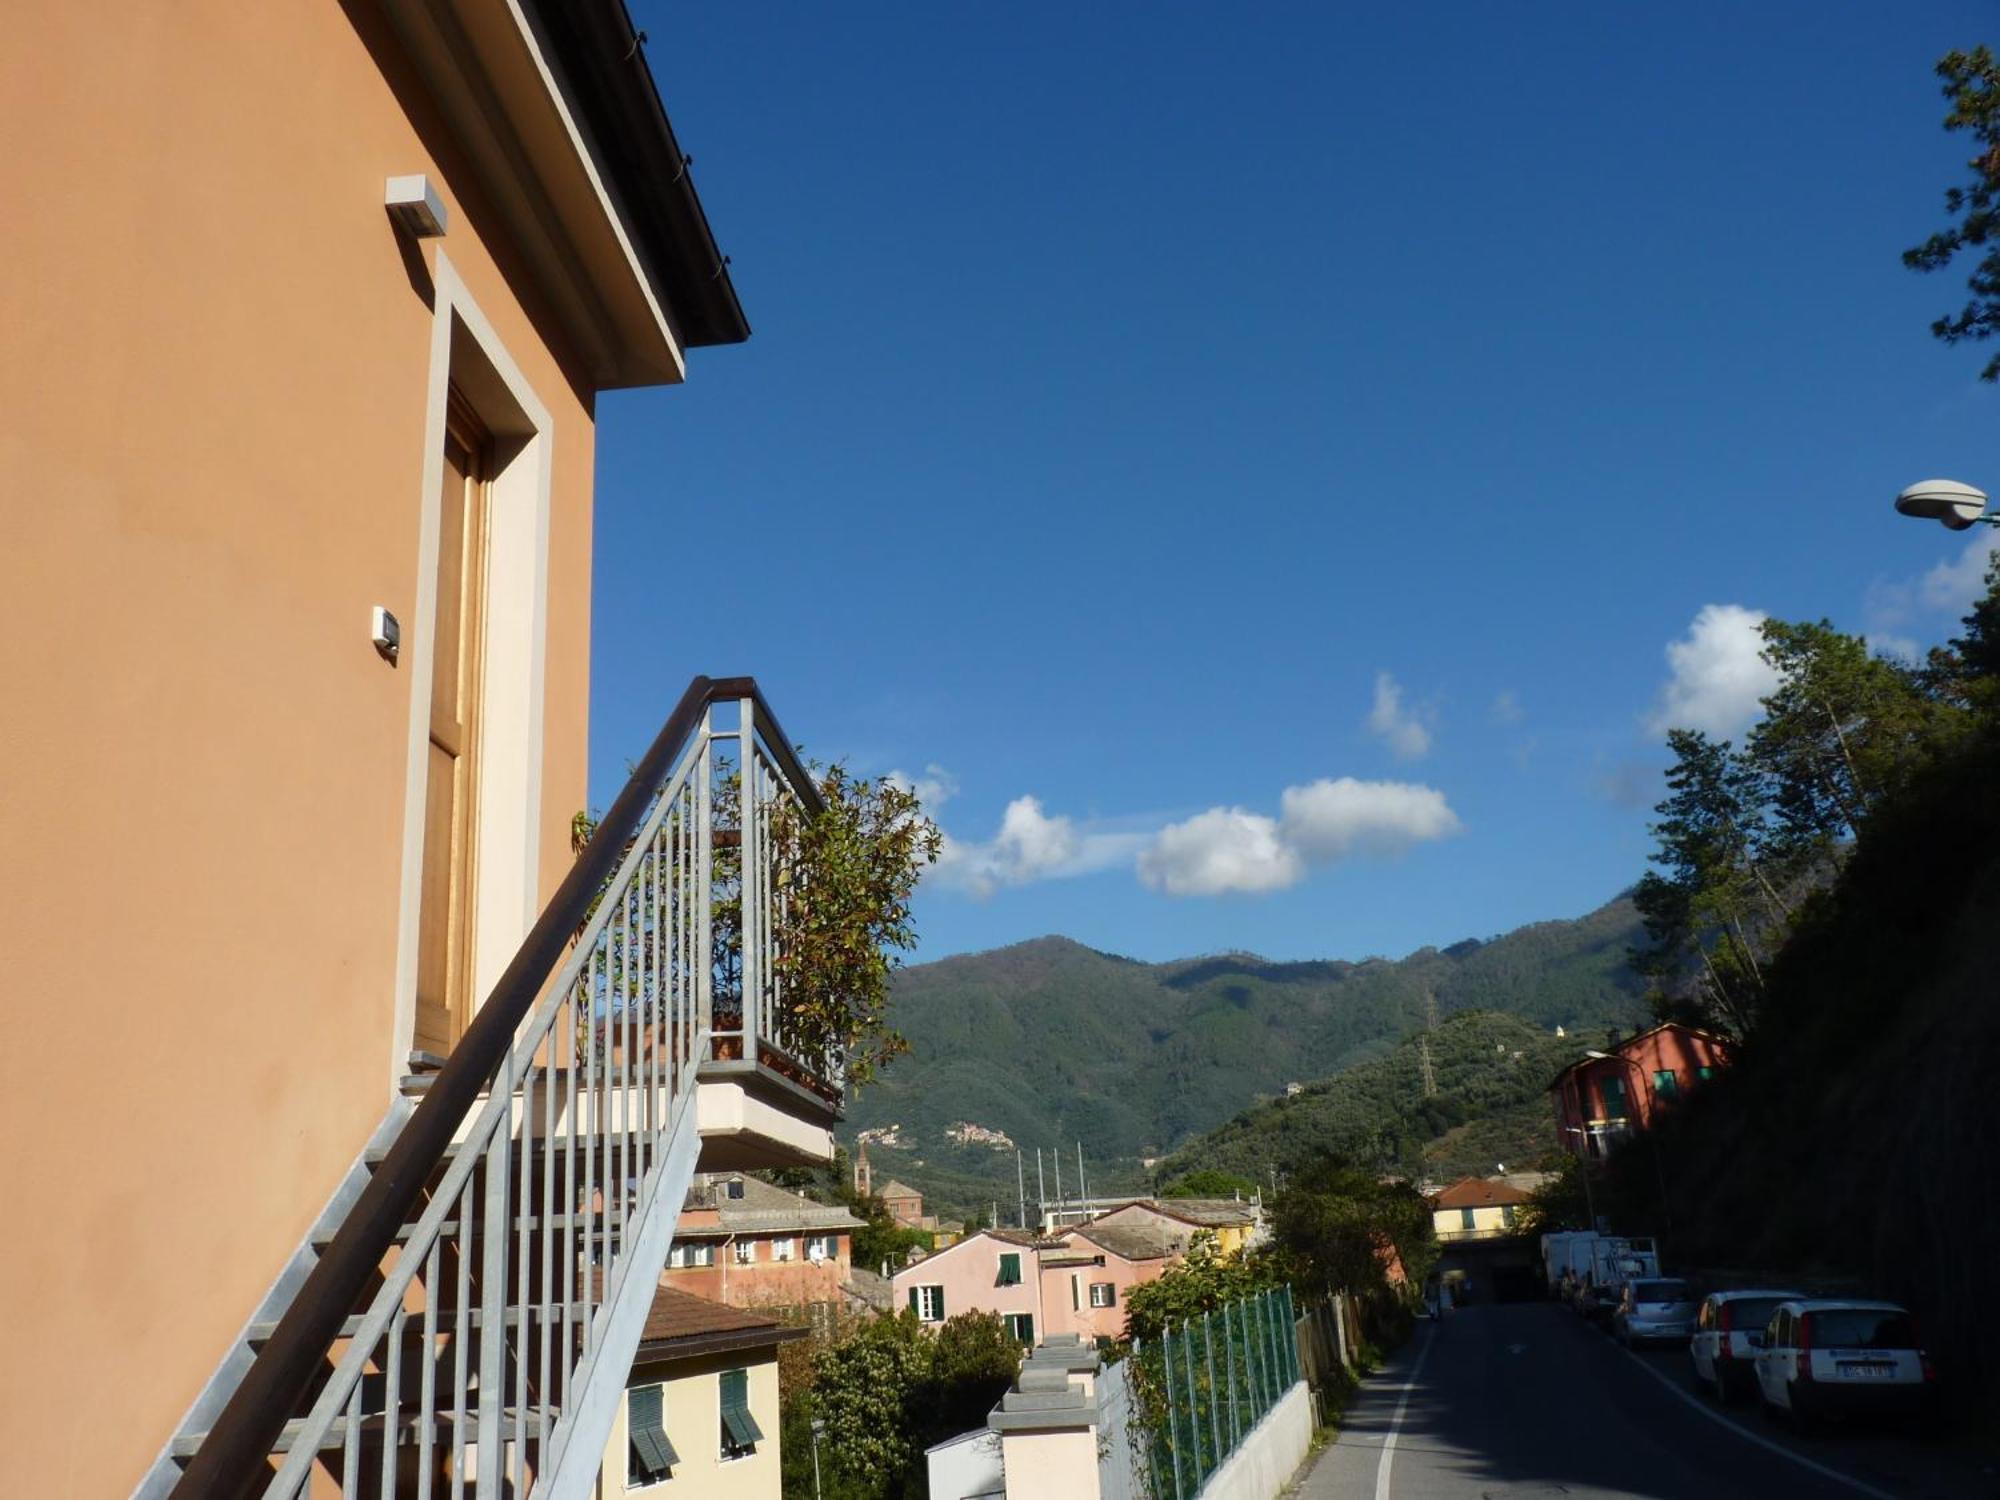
[(1479, 1192), (680, 1315)]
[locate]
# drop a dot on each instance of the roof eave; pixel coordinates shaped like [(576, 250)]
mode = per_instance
[(601, 56)]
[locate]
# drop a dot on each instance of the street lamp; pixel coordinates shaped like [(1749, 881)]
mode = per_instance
[(1652, 1147), (1958, 506)]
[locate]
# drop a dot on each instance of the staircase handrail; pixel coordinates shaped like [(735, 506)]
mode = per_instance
[(233, 1460)]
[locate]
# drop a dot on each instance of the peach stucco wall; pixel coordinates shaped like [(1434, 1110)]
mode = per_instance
[(212, 437), (1067, 1300), (969, 1272)]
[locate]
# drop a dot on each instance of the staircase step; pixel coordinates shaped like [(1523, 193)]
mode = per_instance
[(323, 1237), (408, 1428), (447, 1321)]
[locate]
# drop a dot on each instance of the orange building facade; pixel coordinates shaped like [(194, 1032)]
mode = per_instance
[(306, 309)]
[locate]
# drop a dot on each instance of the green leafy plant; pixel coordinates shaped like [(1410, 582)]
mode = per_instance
[(851, 870)]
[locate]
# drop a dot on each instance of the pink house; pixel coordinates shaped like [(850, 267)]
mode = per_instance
[(1075, 1281)]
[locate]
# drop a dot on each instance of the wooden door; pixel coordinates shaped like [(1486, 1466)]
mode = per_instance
[(444, 933)]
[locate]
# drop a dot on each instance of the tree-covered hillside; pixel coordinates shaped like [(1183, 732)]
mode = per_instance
[(1050, 1043), (1491, 1107)]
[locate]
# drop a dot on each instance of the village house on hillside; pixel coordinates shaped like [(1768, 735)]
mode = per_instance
[(1606, 1095), (748, 1244), (904, 1203), (1476, 1208), (1236, 1224), (1073, 1282)]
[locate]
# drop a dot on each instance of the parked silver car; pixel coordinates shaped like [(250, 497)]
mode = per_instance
[(1721, 1349), (1653, 1308), (1825, 1357)]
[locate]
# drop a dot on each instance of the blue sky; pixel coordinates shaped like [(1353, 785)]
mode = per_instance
[(1285, 444)]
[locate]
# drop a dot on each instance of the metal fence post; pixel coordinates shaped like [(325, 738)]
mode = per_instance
[(749, 883), (1229, 1363), (1167, 1393), (1214, 1416)]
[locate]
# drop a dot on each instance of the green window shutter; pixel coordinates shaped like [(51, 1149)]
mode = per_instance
[(736, 1419), (937, 1301), (913, 1303), (652, 1454), (1010, 1270)]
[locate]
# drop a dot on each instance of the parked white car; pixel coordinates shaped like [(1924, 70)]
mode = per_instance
[(1652, 1309), (1820, 1358), (1721, 1348)]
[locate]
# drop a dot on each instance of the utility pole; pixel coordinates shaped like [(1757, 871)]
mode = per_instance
[(1020, 1189), (1055, 1156), (1082, 1186), (1041, 1189)]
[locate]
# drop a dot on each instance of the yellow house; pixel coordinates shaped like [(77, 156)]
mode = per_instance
[(700, 1416), (306, 310), (1476, 1208)]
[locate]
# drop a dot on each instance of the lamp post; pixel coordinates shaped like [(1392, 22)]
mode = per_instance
[(1652, 1109), (818, 1426), (1958, 506)]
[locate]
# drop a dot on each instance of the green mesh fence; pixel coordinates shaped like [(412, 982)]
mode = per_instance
[(1209, 1381)]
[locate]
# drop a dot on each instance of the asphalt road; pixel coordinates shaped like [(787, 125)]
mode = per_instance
[(1519, 1401)]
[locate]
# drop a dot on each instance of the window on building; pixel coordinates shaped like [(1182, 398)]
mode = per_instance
[(698, 1254), (1103, 1294), (649, 1457), (927, 1302), (1704, 1073), (734, 1189), (746, 1252), (1613, 1088), (1666, 1083), (1075, 1291), (740, 1433), (820, 1247), (1021, 1327), (1507, 1214), (782, 1249), (1466, 1219), (1010, 1270)]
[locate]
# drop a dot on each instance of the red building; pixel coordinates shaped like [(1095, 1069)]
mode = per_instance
[(747, 1244), (1605, 1095)]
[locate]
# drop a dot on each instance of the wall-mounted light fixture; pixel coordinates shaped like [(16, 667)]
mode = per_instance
[(385, 632), (416, 205)]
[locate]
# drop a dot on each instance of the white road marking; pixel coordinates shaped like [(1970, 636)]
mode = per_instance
[(1396, 1419), (1858, 1486)]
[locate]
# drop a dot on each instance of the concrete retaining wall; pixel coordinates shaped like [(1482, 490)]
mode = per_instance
[(1269, 1454)]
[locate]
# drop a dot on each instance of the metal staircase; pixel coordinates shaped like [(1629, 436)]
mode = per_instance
[(464, 1320)]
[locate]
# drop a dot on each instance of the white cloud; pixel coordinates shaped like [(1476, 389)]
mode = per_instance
[(935, 787), (1333, 820), (1936, 600), (1224, 849), (1507, 708), (1031, 845), (1717, 676), (1230, 849), (1402, 730)]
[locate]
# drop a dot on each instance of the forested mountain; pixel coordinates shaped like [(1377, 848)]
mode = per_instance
[(1049, 1042), (1490, 1108)]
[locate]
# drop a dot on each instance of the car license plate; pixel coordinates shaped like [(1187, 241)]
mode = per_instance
[(1868, 1372)]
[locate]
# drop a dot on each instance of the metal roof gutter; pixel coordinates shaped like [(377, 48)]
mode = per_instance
[(601, 58)]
